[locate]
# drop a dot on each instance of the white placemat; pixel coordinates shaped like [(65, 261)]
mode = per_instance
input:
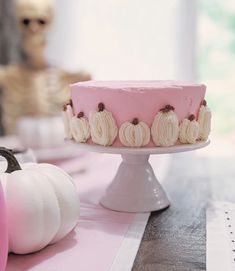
[(103, 239), (130, 245), (220, 247)]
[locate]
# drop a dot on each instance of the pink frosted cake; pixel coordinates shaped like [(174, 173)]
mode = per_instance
[(137, 113)]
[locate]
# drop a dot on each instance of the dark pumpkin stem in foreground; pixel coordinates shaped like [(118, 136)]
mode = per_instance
[(17, 151), (135, 121), (167, 108), (101, 107), (12, 163), (204, 103), (191, 117)]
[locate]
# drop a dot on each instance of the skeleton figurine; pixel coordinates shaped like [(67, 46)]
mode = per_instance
[(32, 87)]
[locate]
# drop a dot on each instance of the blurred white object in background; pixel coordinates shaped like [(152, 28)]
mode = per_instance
[(25, 156), (186, 45), (41, 132), (122, 39)]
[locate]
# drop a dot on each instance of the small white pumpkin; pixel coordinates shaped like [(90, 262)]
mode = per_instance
[(67, 115), (189, 130), (204, 120), (80, 128), (40, 132), (103, 126), (134, 134), (165, 127), (42, 204)]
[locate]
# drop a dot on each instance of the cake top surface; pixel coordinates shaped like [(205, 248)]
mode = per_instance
[(137, 84)]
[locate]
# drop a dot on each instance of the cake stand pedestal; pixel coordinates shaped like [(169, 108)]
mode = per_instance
[(135, 187)]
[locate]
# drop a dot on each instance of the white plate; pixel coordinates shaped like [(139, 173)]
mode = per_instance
[(71, 149), (67, 150), (143, 151), (135, 187)]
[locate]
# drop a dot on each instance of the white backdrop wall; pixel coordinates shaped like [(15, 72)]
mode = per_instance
[(120, 39)]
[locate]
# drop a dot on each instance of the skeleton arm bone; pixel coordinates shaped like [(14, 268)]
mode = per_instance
[(2, 75)]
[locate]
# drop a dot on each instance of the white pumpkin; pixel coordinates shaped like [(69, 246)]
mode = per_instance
[(41, 132), (189, 130), (134, 134), (67, 115), (42, 204), (103, 126), (165, 127), (204, 120), (80, 128)]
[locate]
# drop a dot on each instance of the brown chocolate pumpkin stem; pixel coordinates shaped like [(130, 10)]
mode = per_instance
[(135, 121), (65, 107), (12, 163), (167, 108), (101, 107), (70, 102), (191, 117), (204, 103), (80, 115)]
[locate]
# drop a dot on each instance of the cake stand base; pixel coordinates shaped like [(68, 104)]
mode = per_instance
[(135, 187)]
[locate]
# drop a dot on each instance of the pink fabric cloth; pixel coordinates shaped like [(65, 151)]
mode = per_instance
[(96, 240), (3, 232)]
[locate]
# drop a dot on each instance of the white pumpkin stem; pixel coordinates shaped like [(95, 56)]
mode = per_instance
[(204, 103), (135, 121), (12, 163), (191, 117), (69, 103), (80, 115), (101, 107), (167, 108)]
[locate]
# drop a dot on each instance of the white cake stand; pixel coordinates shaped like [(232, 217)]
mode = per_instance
[(135, 187)]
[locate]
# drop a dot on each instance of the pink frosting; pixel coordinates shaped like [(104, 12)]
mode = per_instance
[(137, 99)]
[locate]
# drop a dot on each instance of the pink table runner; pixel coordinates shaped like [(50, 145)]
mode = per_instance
[(103, 239), (96, 241), (3, 231)]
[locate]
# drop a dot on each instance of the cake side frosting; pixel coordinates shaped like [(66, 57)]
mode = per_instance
[(142, 100)]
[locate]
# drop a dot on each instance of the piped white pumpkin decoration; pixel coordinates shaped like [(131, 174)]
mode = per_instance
[(165, 127), (189, 130), (103, 126), (67, 115), (134, 134), (80, 128), (204, 120), (42, 204)]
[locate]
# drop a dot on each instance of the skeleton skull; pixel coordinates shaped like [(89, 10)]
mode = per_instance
[(34, 16)]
